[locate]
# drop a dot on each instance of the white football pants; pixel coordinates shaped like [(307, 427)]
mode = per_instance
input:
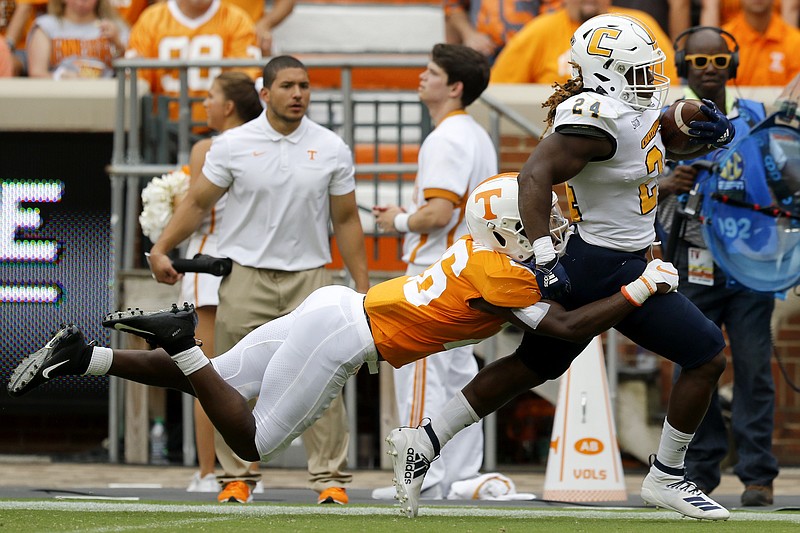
[(297, 364)]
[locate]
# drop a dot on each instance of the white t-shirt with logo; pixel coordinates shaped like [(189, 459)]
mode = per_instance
[(279, 189)]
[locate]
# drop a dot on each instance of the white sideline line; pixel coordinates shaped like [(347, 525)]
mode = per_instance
[(359, 510), (105, 498)]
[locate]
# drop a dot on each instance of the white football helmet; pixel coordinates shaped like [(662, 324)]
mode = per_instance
[(493, 219), (619, 57)]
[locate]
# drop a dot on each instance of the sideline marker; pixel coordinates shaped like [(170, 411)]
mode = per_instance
[(584, 462)]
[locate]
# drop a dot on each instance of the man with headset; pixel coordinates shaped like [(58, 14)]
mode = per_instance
[(707, 63)]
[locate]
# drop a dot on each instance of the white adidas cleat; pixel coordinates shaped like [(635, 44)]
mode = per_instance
[(412, 450), (674, 492)]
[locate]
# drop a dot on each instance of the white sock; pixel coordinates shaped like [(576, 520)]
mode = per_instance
[(456, 415), (100, 361), (673, 445), (191, 360)]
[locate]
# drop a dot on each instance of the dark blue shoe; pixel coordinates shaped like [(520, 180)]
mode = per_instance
[(63, 355), (172, 329)]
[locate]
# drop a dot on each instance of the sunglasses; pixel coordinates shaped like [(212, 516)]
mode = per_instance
[(700, 61)]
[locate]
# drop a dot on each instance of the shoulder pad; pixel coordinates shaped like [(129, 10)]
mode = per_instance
[(588, 110), (592, 104)]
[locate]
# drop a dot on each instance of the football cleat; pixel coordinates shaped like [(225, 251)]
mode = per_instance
[(172, 329), (412, 450), (63, 355), (670, 490)]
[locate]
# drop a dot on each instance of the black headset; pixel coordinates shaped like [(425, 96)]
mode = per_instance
[(680, 55)]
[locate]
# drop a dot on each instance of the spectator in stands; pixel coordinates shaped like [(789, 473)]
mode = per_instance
[(720, 12), (769, 46), (486, 25), (6, 61), (266, 19), (674, 16), (539, 53), (16, 19), (232, 101), (190, 29), (288, 178), (456, 157), (744, 313), (76, 39)]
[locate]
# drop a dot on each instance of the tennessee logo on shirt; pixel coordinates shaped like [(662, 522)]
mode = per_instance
[(312, 154), (776, 62)]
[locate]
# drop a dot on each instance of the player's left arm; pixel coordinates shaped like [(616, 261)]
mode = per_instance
[(350, 238), (551, 319)]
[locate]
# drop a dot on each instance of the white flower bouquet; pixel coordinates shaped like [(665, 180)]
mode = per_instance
[(157, 201)]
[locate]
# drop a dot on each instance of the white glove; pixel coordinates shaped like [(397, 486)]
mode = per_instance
[(657, 271)]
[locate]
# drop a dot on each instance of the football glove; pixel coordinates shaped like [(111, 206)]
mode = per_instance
[(552, 279), (657, 271), (716, 131)]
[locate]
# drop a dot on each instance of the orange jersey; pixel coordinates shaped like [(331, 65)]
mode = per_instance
[(768, 58), (164, 32), (415, 316), (539, 53)]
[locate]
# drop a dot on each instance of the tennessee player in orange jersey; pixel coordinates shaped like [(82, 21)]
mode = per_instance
[(298, 363), (190, 29)]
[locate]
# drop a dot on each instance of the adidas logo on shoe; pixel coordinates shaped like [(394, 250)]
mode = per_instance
[(416, 466), (666, 487), (410, 449)]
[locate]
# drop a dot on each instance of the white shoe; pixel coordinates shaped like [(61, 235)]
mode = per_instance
[(207, 483), (680, 495), (259, 488), (412, 451)]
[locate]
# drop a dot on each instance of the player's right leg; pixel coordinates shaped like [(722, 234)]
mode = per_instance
[(698, 351), (173, 330), (68, 354)]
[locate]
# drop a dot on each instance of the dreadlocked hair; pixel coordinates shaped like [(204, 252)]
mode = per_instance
[(572, 87)]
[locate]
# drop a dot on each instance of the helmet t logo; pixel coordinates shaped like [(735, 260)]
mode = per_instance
[(485, 197)]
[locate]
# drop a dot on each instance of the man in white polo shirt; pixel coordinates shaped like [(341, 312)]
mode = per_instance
[(453, 160), (286, 177)]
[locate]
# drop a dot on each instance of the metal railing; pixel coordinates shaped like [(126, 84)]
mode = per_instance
[(128, 168)]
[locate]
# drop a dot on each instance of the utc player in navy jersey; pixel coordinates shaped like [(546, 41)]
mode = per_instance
[(605, 145)]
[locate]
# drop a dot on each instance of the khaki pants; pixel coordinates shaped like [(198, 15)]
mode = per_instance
[(249, 297)]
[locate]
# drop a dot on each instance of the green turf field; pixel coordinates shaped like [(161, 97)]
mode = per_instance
[(93, 516)]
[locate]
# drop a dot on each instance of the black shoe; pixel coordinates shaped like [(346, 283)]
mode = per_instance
[(172, 329), (65, 354), (757, 495)]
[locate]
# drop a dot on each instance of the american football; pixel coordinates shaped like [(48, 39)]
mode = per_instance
[(675, 126)]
